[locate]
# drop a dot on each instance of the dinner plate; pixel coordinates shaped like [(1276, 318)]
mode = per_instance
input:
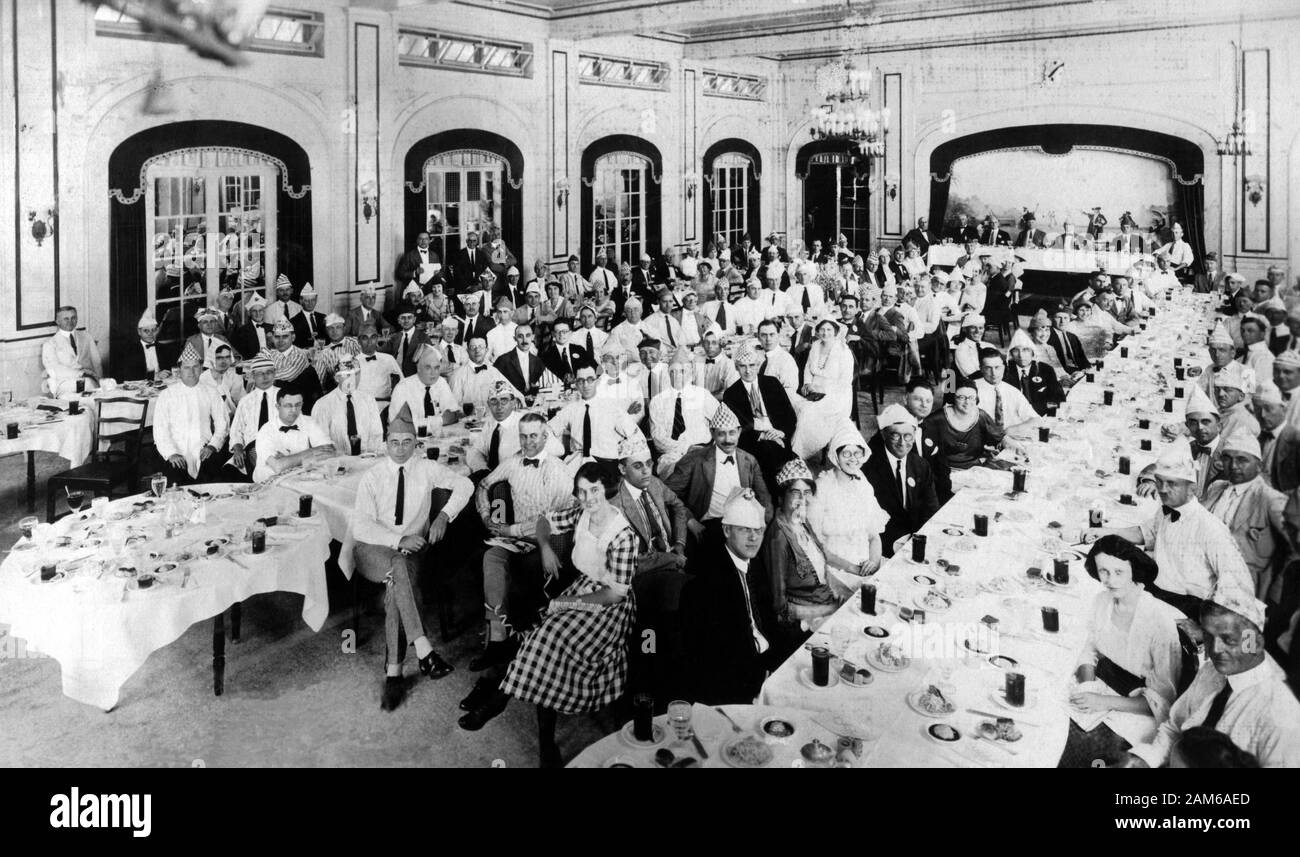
[(731, 754), (914, 703), (954, 531), (942, 733), (999, 698), (805, 678), (862, 677), (974, 646), (778, 728), (624, 762), (165, 569), (1003, 662), (923, 579), (658, 735), (933, 602), (875, 631), (1072, 555), (1071, 584), (873, 658)]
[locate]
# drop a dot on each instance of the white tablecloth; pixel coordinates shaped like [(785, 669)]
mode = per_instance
[(1063, 484), (69, 437), (102, 630)]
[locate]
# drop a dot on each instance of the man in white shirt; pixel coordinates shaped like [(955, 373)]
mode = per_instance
[(499, 437), (714, 370), (473, 379), (779, 363), (427, 393), (691, 319), (349, 416), (601, 275), (650, 373), (209, 335), (501, 338), (1161, 279), (1233, 400), (664, 326), (289, 438), (145, 358), (190, 425), (1253, 511), (594, 424), (1240, 691), (69, 356), (379, 369), (805, 296), (1254, 335), (627, 334), (680, 414), (587, 334), (284, 306), (254, 410), (754, 307), (1004, 403), (223, 380), (392, 532), (719, 311)]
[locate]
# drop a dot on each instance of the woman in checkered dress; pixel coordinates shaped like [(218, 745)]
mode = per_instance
[(576, 659)]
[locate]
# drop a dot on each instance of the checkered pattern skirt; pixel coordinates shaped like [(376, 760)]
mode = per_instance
[(576, 660)]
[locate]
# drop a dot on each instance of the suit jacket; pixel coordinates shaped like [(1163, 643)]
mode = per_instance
[(960, 235), (1069, 350), (931, 452), (408, 268), (356, 318), (922, 240), (775, 399), (1039, 384), (692, 479), (1024, 239), (1284, 475), (551, 359), (508, 365), (643, 284), (724, 665), (1256, 526), (245, 339), (922, 498), (394, 346), (671, 509), (1002, 239), (131, 366), (302, 336), (466, 267), (478, 327)]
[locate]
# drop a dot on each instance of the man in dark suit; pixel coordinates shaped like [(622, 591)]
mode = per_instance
[(205, 342), (561, 356), (145, 355), (1030, 235), (767, 419), (706, 475), (359, 316), (656, 514), (919, 402), (644, 280), (466, 265), (1128, 241), (1032, 377), (992, 236), (1069, 350), (963, 231), (476, 323), (253, 335), (521, 367), (726, 611), (421, 263), (404, 342), (308, 325), (772, 245), (901, 479), (921, 236)]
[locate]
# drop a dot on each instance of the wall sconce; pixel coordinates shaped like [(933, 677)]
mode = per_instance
[(561, 192), (41, 227), (891, 186), (692, 184), (369, 199)]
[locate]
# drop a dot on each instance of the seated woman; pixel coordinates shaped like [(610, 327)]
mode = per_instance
[(965, 434), (556, 307), (796, 562), (1133, 650), (1094, 332), (604, 305), (828, 387), (844, 513), (966, 347), (576, 660)]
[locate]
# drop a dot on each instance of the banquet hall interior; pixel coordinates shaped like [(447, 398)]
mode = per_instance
[(912, 192)]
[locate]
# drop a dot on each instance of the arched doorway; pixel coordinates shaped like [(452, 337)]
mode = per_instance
[(197, 207), (621, 200), (732, 169), (836, 196)]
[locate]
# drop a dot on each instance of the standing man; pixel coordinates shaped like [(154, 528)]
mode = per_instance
[(421, 263), (70, 355), (190, 425), (921, 236)]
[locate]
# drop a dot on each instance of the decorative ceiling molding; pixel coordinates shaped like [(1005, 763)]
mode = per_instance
[(250, 155), (1173, 169)]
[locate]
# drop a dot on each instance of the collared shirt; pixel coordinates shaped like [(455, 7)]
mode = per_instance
[(1015, 407), (186, 419), (698, 407), (781, 366), (1193, 552), (278, 309), (898, 471), (476, 454), (272, 442), (375, 511), (717, 376), (534, 491), (243, 428), (1261, 717), (793, 302), (763, 421), (331, 412), (1259, 360), (410, 391), (667, 329), (468, 385), (230, 387), (726, 479), (750, 311), (609, 425), (592, 339), (929, 312), (150, 351), (63, 366), (710, 310), (742, 568), (377, 375), (501, 340)]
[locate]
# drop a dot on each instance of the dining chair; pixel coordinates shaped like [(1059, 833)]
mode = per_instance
[(121, 422)]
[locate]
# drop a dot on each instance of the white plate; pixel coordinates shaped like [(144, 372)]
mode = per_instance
[(920, 602), (725, 752), (784, 721), (873, 658), (659, 733), (913, 702), (853, 684), (804, 675), (1031, 701), (940, 727)]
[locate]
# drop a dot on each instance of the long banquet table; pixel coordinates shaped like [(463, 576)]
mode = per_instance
[(1074, 471)]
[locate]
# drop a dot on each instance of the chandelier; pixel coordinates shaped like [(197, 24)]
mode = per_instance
[(1234, 143), (845, 87)]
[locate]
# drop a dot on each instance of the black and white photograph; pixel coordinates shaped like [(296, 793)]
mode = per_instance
[(515, 384)]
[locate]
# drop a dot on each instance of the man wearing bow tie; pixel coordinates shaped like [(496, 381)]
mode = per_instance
[(714, 370), (474, 379), (379, 369), (289, 438), (145, 357), (706, 476)]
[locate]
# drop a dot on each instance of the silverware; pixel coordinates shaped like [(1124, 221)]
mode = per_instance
[(185, 581), (699, 748), (1003, 714), (734, 725)]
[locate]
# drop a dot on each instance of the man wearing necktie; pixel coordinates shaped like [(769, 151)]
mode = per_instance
[(144, 359), (680, 414), (561, 355), (1036, 381), (1004, 403), (901, 479), (209, 335), (707, 475), (349, 416), (763, 407), (1239, 691), (656, 514), (289, 438), (1251, 510), (253, 411)]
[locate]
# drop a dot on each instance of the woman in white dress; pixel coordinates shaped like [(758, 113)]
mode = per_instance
[(828, 387), (844, 513)]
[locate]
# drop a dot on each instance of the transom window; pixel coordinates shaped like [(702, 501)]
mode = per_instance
[(731, 196), (462, 196), (618, 206)]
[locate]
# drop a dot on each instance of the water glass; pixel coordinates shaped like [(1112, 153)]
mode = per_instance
[(158, 484), (679, 718)]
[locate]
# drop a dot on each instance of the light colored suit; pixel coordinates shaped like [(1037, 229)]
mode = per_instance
[(63, 366), (1256, 525)]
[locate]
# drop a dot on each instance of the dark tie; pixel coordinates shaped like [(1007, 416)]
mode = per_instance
[(1172, 514), (591, 348), (352, 419), (679, 421), (494, 448), (262, 413), (531, 462), (730, 459), (149, 345), (1198, 450), (722, 315), (428, 401), (668, 326), (371, 359), (756, 400), (1265, 436), (478, 369), (709, 361), (406, 346), (72, 340), (898, 477), (586, 431), (803, 301), (657, 539), (451, 356), (399, 509), (762, 369), (288, 428), (311, 327), (1217, 705), (997, 406)]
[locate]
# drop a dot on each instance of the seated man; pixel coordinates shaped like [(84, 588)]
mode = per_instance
[(719, 311), (360, 316), (1223, 354), (1004, 403), (919, 402), (1239, 691), (588, 335), (284, 307), (714, 370), (190, 424), (308, 325), (656, 514), (767, 418), (349, 416), (902, 480), (692, 320), (1193, 549), (223, 380), (778, 363), (757, 304), (1068, 347), (501, 338), (293, 364), (209, 335), (650, 373), (1251, 509), (499, 437), (145, 359), (405, 341), (594, 424), (664, 325), (724, 609), (427, 392), (706, 476), (253, 336), (1230, 386), (391, 526), (289, 438), (1035, 380), (379, 369), (679, 415), (475, 377), (539, 483), (521, 366), (69, 356), (562, 355), (253, 412), (627, 334)]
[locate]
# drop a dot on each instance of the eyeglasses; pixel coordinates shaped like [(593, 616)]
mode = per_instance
[(964, 398)]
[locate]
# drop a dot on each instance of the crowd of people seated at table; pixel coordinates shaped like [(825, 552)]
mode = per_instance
[(711, 429)]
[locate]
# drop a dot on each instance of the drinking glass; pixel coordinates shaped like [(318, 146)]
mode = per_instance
[(6, 398), (158, 484), (28, 527), (76, 499), (679, 717)]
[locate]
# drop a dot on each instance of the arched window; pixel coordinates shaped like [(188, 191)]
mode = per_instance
[(463, 191), (211, 221), (730, 180), (619, 205)]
